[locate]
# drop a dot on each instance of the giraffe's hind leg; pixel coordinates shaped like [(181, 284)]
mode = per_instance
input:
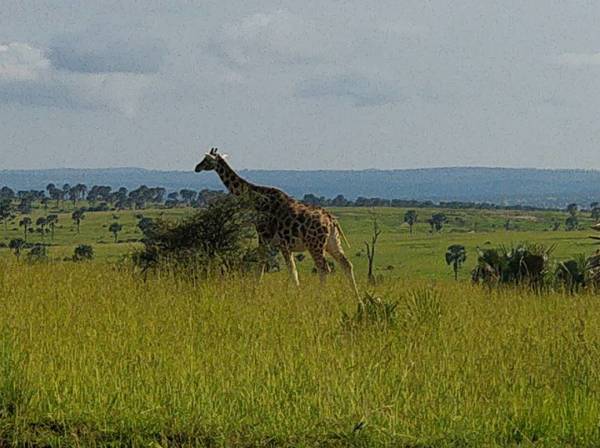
[(288, 256), (318, 255), (334, 248)]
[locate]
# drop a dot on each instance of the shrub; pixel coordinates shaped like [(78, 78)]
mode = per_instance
[(218, 237), (571, 274), (83, 252), (38, 253), (527, 263)]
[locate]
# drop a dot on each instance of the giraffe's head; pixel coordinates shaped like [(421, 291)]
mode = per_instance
[(210, 161)]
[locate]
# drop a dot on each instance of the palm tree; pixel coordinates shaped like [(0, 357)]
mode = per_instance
[(437, 221), (26, 224), (77, 216), (410, 218), (572, 209), (456, 255), (42, 223), (115, 228), (52, 220)]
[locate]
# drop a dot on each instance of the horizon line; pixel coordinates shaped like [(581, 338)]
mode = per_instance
[(450, 167)]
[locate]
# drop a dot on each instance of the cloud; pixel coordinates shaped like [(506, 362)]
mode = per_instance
[(113, 57), (29, 77), (362, 91), (578, 59), (19, 61), (278, 36)]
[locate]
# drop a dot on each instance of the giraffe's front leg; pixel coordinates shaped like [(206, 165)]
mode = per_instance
[(288, 256)]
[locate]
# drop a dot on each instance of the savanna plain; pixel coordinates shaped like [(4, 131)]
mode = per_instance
[(96, 354)]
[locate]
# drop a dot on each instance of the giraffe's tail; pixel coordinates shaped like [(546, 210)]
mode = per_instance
[(341, 232)]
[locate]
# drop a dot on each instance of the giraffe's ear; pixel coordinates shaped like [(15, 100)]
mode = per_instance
[(213, 151)]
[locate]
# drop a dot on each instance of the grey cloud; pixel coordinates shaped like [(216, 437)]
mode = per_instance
[(28, 78), (34, 93), (360, 90), (115, 57)]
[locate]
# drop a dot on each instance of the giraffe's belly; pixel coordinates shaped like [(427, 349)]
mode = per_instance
[(293, 244), (297, 247)]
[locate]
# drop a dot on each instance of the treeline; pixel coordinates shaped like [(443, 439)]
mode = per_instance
[(341, 201), (104, 198)]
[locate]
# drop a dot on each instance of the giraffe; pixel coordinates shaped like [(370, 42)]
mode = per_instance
[(285, 223)]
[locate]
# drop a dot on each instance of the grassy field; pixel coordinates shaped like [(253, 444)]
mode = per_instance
[(93, 355)]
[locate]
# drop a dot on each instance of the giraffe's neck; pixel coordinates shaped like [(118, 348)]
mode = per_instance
[(234, 183)]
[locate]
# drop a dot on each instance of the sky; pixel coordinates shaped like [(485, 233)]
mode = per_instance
[(326, 84)]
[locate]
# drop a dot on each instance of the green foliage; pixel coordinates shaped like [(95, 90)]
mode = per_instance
[(572, 209), (216, 237), (571, 223), (25, 222), (526, 263), (77, 216), (571, 274), (83, 252), (38, 253), (16, 245), (410, 218), (115, 228), (455, 256), (437, 221)]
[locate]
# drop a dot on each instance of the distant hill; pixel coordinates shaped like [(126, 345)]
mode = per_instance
[(543, 188)]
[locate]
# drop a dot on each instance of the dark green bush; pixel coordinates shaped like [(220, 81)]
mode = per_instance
[(219, 238), (83, 252)]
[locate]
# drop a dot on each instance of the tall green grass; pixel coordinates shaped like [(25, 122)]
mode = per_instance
[(91, 355)]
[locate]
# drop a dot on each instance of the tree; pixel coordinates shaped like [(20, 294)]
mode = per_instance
[(145, 224), (596, 214), (73, 195), (115, 228), (410, 218), (572, 209), (571, 223), (5, 213), (218, 238), (42, 222), (7, 193), (65, 190), (52, 220), (188, 195), (16, 245), (26, 224), (77, 216), (83, 252), (37, 253), (371, 250), (456, 255), (437, 221)]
